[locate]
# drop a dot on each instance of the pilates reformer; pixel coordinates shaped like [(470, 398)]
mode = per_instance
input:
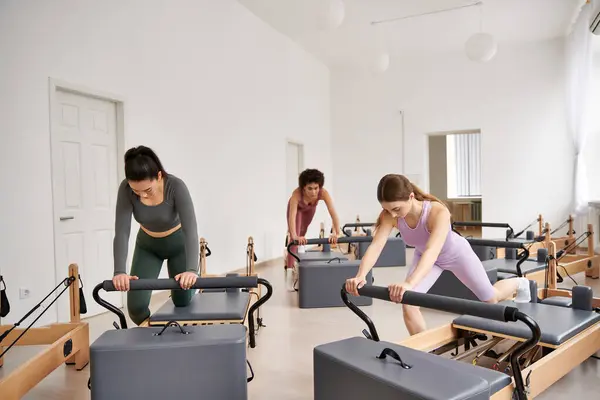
[(500, 361), (123, 361), (68, 342), (217, 305), (211, 306), (561, 241), (570, 261), (314, 279), (533, 241)]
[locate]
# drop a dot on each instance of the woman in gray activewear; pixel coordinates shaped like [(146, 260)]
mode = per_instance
[(162, 205)]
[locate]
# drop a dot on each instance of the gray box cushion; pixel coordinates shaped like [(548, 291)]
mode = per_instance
[(134, 364), (510, 266), (393, 253), (320, 283), (557, 324), (350, 369), (211, 306)]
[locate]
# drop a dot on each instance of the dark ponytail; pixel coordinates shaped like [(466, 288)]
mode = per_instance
[(142, 163)]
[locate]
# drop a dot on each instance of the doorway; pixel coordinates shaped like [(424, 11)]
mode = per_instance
[(86, 131), (455, 175), (294, 165)]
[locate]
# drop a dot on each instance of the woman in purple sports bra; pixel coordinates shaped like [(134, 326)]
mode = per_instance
[(302, 206), (424, 222)]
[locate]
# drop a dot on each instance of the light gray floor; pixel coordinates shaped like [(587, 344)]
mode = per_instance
[(282, 360)]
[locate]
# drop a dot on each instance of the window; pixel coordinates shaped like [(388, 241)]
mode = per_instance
[(463, 157)]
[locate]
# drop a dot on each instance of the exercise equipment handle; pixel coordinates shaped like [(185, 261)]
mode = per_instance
[(358, 225), (482, 224), (454, 305), (343, 239), (506, 244), (201, 283), (351, 239)]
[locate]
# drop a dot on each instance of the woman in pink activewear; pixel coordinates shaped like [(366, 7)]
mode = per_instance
[(424, 222), (302, 206)]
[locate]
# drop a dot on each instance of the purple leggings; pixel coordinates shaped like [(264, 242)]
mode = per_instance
[(467, 268)]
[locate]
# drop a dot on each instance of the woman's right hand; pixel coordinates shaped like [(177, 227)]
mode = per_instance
[(353, 284), (301, 240), (121, 282)]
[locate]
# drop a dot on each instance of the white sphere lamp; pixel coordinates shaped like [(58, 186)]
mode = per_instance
[(381, 63), (332, 14), (481, 47)]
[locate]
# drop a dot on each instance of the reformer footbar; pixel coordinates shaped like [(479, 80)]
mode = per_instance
[(234, 282), (496, 312)]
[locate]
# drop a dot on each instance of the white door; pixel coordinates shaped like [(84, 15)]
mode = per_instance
[(84, 178), (294, 166)]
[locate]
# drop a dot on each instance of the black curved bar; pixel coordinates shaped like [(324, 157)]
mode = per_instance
[(522, 259), (458, 306), (255, 307), (520, 385), (108, 306), (347, 239), (208, 252), (360, 313)]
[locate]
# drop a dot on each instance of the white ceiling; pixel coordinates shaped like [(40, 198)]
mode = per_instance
[(357, 41)]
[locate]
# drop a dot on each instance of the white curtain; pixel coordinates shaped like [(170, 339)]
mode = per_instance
[(579, 58), (468, 164)]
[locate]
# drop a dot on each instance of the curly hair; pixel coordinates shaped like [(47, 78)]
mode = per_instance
[(309, 176)]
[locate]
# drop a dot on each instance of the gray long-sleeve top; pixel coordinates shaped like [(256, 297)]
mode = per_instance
[(177, 207)]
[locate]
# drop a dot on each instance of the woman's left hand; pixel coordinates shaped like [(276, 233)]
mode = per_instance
[(333, 238), (397, 291), (186, 279)]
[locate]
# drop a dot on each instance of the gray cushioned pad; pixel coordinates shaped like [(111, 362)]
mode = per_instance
[(506, 275), (211, 306), (557, 324), (349, 369), (320, 256), (510, 266)]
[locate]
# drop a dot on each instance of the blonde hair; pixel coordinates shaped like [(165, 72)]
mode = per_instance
[(395, 187)]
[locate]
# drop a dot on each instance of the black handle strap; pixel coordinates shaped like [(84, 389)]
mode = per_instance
[(251, 372), (335, 258), (389, 352), (2, 282), (172, 323)]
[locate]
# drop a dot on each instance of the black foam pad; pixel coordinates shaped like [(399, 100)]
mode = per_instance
[(557, 324)]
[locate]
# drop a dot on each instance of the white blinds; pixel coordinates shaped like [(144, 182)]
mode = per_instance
[(467, 147)]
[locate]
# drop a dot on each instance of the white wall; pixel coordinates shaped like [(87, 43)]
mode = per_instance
[(517, 101), (207, 84), (592, 150)]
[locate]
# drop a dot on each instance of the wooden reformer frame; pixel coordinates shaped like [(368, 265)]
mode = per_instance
[(69, 344), (561, 241), (588, 262), (250, 271), (542, 372)]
